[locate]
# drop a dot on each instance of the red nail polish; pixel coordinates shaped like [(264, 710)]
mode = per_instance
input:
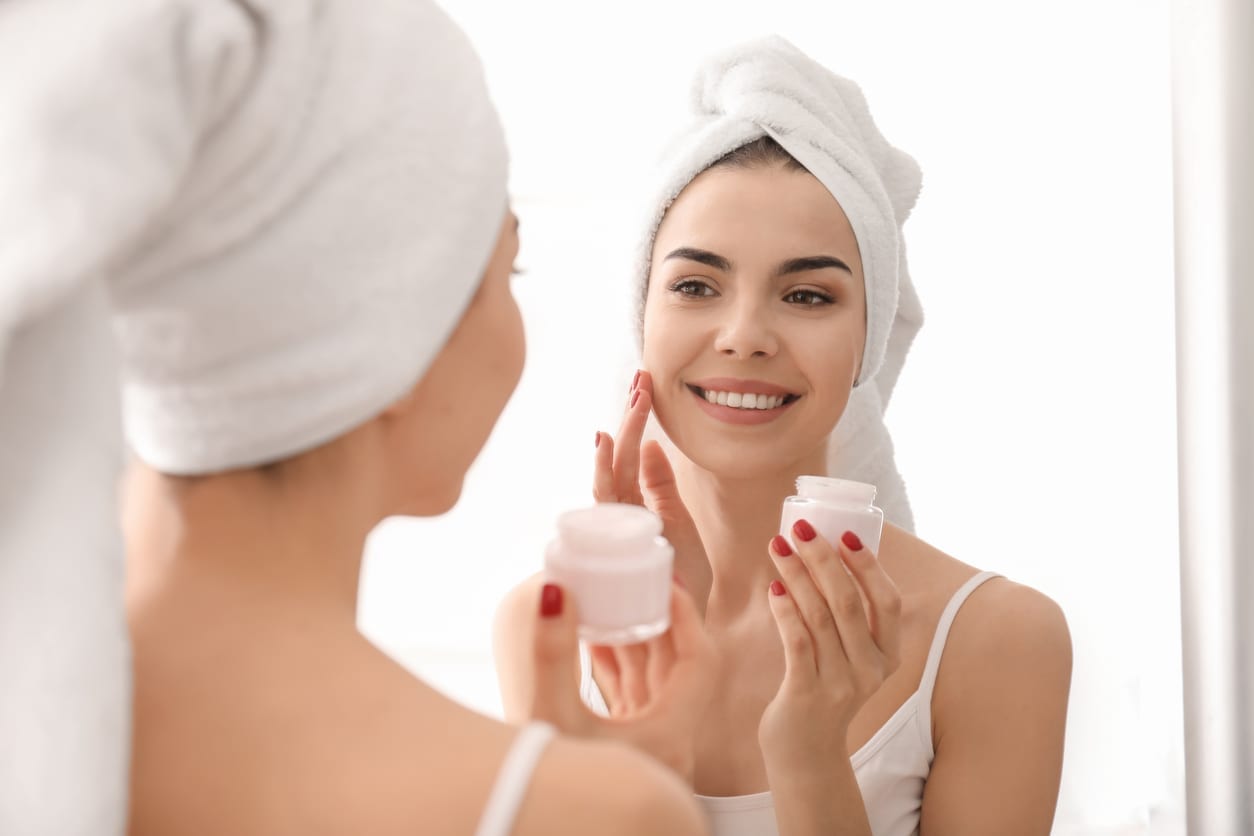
[(851, 540), (803, 530), (635, 397), (777, 588), (780, 546), (551, 600), (598, 441), (635, 381)]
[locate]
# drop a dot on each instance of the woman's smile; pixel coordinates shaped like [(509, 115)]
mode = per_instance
[(736, 401)]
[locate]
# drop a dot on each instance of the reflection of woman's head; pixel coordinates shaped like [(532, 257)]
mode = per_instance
[(773, 256), (755, 294), (351, 269)]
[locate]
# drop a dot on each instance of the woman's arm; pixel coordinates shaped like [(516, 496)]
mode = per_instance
[(1000, 710)]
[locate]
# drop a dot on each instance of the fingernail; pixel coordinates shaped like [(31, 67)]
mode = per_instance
[(803, 530), (598, 441), (851, 540), (777, 588), (635, 381), (635, 397), (680, 581), (780, 546), (551, 600)]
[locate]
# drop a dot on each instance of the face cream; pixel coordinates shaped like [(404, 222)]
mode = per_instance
[(614, 563), (834, 506)]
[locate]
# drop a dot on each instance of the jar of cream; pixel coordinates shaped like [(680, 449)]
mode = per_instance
[(616, 566), (834, 506)]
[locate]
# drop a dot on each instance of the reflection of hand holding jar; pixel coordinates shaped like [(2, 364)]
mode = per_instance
[(834, 506), (617, 567)]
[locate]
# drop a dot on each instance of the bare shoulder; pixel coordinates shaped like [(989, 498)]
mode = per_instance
[(1007, 666), (585, 786), (1007, 622)]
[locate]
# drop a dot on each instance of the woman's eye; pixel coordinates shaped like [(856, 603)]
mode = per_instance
[(808, 298), (692, 288)]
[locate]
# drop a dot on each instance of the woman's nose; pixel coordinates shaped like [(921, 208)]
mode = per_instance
[(746, 332)]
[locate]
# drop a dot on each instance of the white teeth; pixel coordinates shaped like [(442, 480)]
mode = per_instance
[(744, 400)]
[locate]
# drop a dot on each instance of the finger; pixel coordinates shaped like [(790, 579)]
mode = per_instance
[(630, 434), (842, 596), (632, 662), (603, 469), (661, 660), (556, 653), (800, 667), (607, 676), (661, 491), (813, 608), (883, 599)]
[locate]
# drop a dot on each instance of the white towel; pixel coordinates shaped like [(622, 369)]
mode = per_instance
[(292, 202), (770, 88)]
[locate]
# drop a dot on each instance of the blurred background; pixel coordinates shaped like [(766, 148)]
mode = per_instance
[(1035, 418)]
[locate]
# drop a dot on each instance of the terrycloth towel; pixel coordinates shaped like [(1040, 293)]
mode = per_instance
[(770, 88), (292, 201)]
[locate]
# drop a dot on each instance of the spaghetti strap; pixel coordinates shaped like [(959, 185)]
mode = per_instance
[(928, 683), (513, 779)]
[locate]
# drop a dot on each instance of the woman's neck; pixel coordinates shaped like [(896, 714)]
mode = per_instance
[(250, 539), (736, 518)]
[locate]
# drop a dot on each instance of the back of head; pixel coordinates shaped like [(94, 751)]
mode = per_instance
[(336, 190)]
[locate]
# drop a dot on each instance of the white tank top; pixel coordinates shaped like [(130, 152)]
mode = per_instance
[(891, 767), (513, 779)]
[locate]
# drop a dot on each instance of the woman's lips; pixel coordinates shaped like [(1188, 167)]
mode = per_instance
[(739, 415)]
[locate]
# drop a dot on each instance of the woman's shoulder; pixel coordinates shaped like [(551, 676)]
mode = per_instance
[(587, 786), (1001, 626), (1008, 644)]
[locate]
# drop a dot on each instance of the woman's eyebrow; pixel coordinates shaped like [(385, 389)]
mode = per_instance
[(701, 256), (813, 262)]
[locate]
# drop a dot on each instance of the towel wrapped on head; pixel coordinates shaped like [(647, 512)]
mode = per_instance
[(291, 202), (770, 88)]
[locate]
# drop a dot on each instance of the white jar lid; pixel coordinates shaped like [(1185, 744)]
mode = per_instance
[(609, 528)]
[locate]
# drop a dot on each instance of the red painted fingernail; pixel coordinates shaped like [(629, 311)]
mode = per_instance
[(851, 540), (598, 441), (780, 546), (635, 381), (803, 530), (777, 588), (551, 600), (635, 397)]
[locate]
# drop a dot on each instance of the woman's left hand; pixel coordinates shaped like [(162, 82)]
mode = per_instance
[(838, 616)]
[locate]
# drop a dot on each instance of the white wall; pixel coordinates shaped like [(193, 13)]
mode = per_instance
[(1035, 417)]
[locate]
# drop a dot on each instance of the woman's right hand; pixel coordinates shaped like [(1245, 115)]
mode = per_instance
[(658, 698), (637, 472)]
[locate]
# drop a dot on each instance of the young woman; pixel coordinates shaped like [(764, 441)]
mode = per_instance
[(891, 693), (308, 249)]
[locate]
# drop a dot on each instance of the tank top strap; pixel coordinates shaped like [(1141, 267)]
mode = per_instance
[(513, 779), (928, 683)]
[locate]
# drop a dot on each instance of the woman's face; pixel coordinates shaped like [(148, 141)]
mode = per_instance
[(443, 424), (756, 301)]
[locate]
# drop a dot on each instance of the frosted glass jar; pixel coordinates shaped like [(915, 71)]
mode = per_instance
[(614, 563), (834, 506)]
